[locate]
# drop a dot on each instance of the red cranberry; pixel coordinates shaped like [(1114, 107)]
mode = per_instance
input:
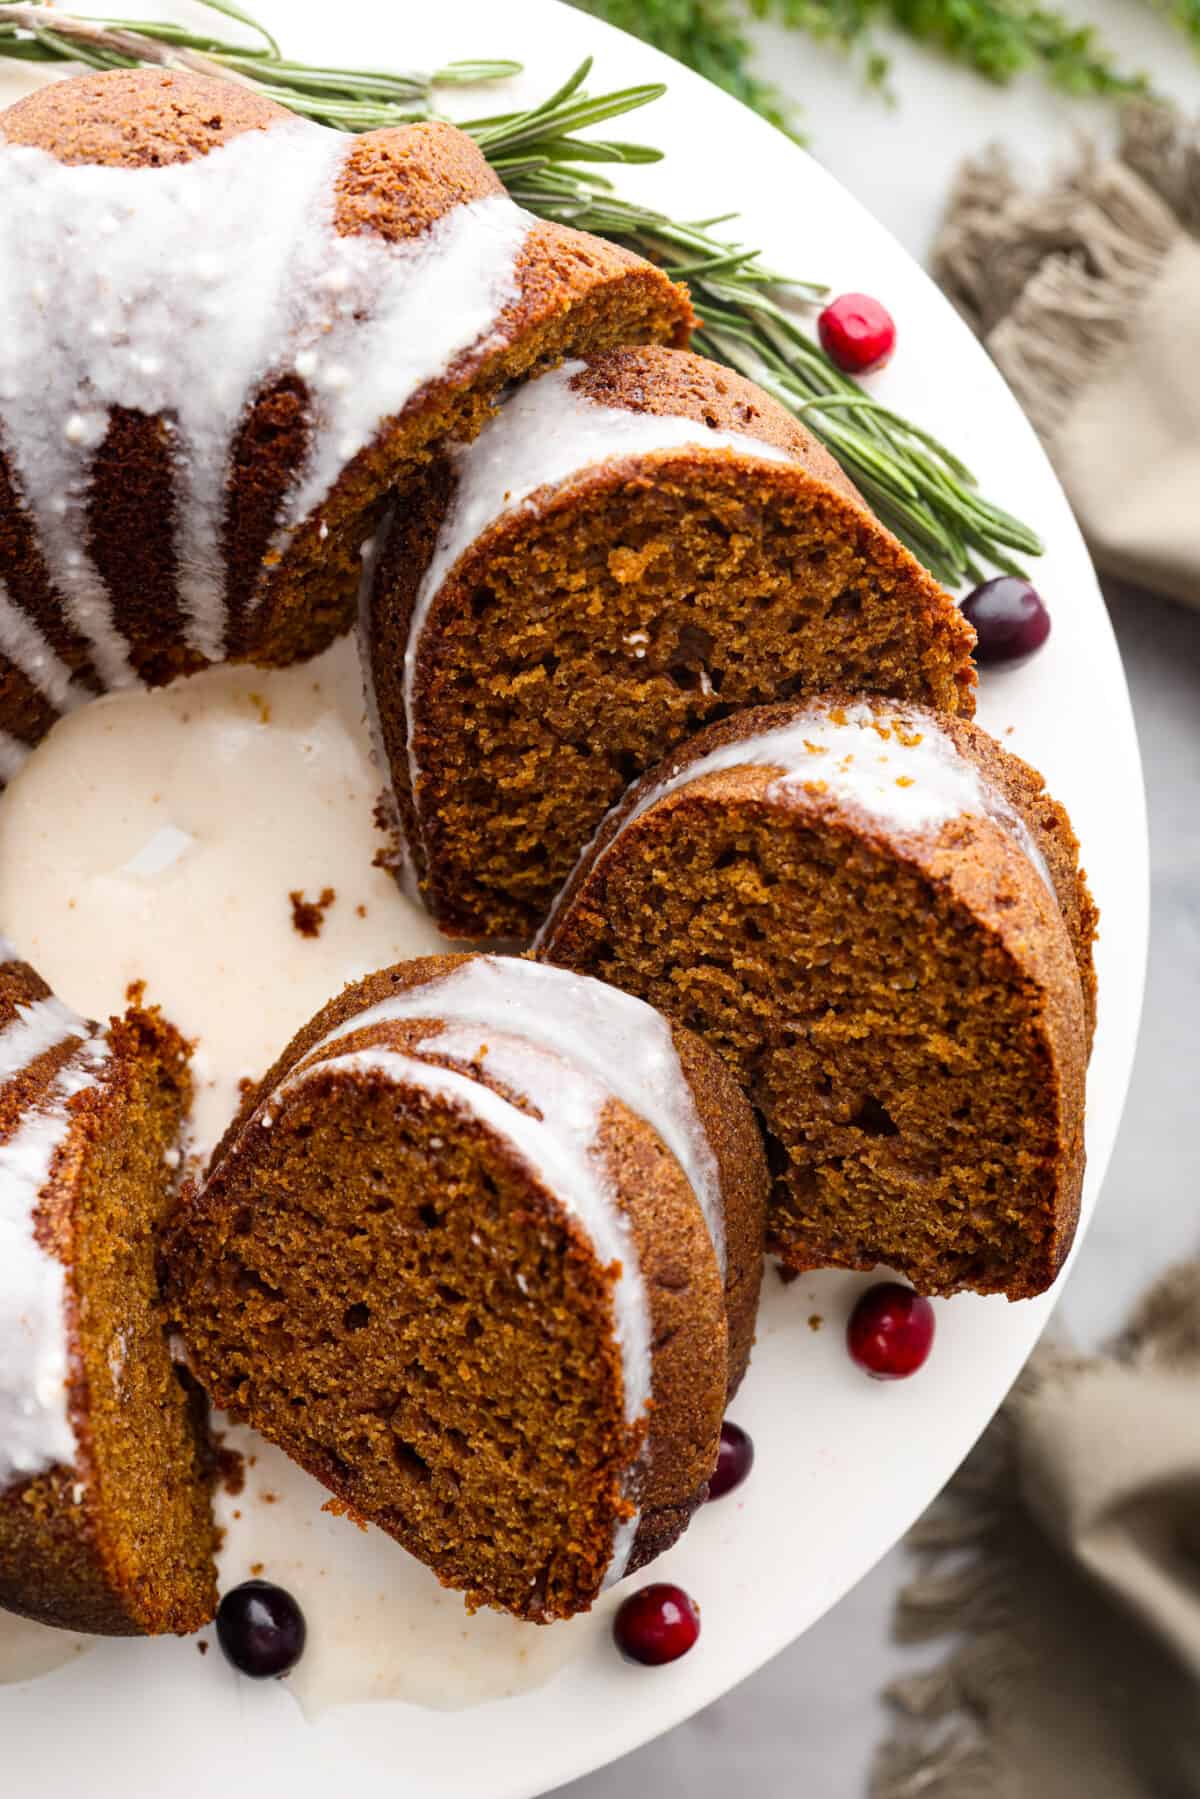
[(735, 1458), (261, 1629), (857, 332), (890, 1332), (1010, 620), (656, 1625)]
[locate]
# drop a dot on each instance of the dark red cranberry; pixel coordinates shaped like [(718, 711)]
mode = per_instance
[(735, 1458), (656, 1625), (1010, 620), (857, 332), (261, 1629), (890, 1332)]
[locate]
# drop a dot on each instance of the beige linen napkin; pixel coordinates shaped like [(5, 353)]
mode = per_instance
[(1065, 1554), (1088, 297)]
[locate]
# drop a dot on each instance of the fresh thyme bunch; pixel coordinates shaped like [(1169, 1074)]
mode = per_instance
[(753, 317)]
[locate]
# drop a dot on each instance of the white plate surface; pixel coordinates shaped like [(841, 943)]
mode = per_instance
[(844, 1465)]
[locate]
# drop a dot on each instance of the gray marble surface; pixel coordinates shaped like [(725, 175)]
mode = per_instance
[(810, 1721)]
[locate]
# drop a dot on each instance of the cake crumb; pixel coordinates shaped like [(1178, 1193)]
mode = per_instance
[(135, 993), (256, 1568), (815, 1321), (341, 1508), (231, 1468), (309, 915), (361, 911), (269, 1498), (202, 1646), (261, 705)]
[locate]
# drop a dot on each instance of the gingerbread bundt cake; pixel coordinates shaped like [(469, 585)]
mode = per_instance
[(104, 1510), (876, 915), (462, 1257), (634, 546), (227, 332)]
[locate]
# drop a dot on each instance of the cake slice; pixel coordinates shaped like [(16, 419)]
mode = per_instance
[(876, 915), (635, 546), (482, 1253), (258, 325), (105, 1524)]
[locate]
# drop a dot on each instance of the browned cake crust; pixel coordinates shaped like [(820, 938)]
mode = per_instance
[(137, 118), (576, 293), (121, 1542), (586, 634), (426, 1310), (909, 1013)]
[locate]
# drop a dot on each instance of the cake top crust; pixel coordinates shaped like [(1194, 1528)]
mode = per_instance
[(662, 383), (137, 118)]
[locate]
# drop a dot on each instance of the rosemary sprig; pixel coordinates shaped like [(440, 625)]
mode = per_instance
[(352, 99), (750, 312), (918, 486)]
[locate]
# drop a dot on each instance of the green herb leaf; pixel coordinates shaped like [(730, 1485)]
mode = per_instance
[(233, 11), (707, 35), (998, 39)]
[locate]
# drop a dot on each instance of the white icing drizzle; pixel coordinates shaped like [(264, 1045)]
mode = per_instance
[(561, 1152), (547, 435), (37, 1026), (426, 300), (35, 1426), (623, 1043), (13, 756), (912, 784), (23, 642), (180, 292)]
